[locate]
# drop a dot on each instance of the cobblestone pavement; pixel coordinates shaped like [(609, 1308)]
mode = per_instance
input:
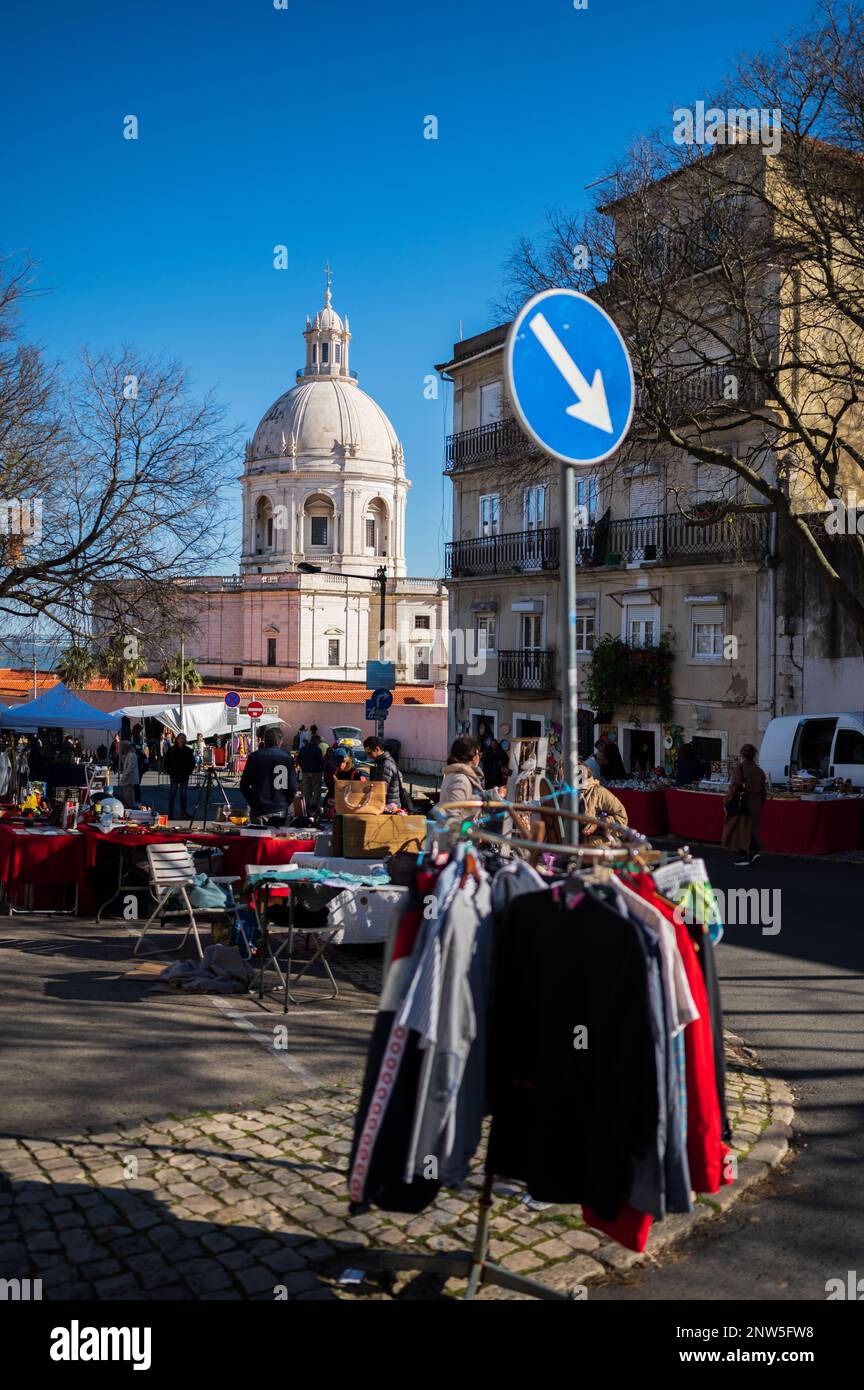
[(252, 1204)]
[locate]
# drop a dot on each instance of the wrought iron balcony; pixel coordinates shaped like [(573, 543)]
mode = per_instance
[(515, 552), (503, 439), (715, 388), (530, 669), (674, 539), (670, 539)]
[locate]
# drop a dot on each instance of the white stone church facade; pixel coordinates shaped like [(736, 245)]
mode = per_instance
[(324, 485)]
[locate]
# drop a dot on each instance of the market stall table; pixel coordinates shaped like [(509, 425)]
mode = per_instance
[(38, 856), (789, 825), (237, 851), (646, 810)]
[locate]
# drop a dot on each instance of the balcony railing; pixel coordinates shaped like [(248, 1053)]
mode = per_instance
[(530, 669), (503, 439), (640, 539), (716, 388), (324, 369), (672, 538), (515, 552)]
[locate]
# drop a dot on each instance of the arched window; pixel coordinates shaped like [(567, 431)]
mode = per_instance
[(375, 528), (325, 352), (263, 525), (319, 525)]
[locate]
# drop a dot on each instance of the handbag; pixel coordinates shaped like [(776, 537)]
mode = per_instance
[(737, 803), (360, 798)]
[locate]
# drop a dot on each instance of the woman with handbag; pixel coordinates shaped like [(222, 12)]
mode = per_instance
[(745, 798)]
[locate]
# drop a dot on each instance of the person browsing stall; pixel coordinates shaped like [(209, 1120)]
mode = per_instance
[(269, 781), (179, 764)]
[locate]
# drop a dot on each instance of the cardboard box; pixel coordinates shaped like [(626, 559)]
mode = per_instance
[(373, 837)]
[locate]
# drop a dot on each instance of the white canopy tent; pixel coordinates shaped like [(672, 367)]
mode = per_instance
[(208, 718), (58, 708)]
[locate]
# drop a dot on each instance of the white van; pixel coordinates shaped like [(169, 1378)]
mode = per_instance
[(828, 745)]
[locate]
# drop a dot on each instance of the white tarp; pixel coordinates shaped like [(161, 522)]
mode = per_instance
[(208, 718)]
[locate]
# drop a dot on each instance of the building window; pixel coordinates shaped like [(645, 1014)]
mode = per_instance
[(238, 670), (337, 352), (370, 533), (421, 664), (641, 624), (531, 630), (585, 630), (333, 651), (706, 632), (325, 352), (269, 533), (271, 651), (534, 502), (314, 352), (489, 515), (490, 403), (849, 746), (319, 530), (423, 620), (586, 500), (485, 630)]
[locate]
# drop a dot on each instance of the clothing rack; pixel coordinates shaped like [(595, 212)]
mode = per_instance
[(474, 1265)]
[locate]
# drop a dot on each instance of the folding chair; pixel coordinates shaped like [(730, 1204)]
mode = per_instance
[(271, 955), (172, 870)]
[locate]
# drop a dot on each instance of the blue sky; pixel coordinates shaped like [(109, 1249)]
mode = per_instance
[(304, 127)]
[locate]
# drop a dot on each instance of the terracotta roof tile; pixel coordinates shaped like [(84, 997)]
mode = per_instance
[(18, 684)]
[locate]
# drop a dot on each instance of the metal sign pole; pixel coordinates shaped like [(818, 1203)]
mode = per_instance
[(567, 600)]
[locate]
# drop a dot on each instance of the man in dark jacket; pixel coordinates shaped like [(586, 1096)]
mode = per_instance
[(311, 761), (384, 769), (179, 765), (269, 782)]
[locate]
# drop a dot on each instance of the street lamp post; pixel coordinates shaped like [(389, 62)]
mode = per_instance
[(379, 578)]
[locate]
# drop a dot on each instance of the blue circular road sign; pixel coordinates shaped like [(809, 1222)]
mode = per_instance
[(381, 699), (232, 699), (569, 377)]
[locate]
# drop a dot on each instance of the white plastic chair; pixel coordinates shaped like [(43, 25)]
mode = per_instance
[(172, 870)]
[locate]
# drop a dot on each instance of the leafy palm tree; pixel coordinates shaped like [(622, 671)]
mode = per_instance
[(76, 666), (120, 661), (170, 672)]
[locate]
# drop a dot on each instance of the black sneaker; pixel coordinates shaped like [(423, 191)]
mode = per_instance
[(743, 863), (755, 856)]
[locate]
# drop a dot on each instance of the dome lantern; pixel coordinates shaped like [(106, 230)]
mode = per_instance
[(327, 339)]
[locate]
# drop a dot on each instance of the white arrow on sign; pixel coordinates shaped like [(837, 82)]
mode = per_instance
[(591, 405)]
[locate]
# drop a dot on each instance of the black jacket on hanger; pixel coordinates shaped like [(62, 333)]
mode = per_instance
[(568, 1120)]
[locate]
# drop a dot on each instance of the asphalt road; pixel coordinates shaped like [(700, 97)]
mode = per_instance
[(797, 998)]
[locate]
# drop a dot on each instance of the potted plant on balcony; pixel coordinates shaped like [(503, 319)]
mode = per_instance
[(622, 676)]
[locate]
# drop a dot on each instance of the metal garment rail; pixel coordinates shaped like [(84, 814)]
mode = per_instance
[(474, 1265)]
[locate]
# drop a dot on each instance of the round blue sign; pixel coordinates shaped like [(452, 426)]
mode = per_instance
[(232, 699), (569, 377)]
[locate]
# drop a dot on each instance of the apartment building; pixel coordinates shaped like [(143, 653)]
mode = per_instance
[(644, 574), (672, 552)]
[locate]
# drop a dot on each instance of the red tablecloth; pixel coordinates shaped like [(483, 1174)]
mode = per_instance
[(240, 850), (812, 827), (51, 860), (237, 852), (695, 815), (787, 826), (646, 811)]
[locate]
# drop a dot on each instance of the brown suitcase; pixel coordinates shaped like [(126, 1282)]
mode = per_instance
[(374, 837)]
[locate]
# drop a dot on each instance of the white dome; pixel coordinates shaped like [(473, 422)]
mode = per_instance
[(325, 419)]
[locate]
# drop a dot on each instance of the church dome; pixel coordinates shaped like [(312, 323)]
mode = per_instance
[(323, 418)]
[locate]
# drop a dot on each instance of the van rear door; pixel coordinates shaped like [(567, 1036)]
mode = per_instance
[(847, 758), (811, 747)]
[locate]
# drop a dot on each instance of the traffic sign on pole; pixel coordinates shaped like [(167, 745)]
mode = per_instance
[(254, 709), (232, 699), (381, 699), (380, 675), (569, 377), (375, 712)]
